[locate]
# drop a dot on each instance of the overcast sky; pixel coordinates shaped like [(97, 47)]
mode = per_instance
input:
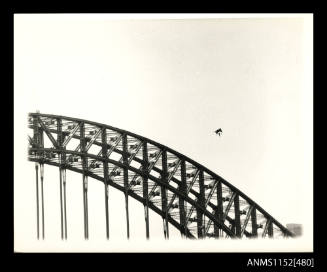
[(175, 81)]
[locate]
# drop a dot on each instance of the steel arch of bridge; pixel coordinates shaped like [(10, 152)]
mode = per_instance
[(195, 200)]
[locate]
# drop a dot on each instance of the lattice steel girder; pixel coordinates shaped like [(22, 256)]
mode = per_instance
[(93, 156), (114, 145), (193, 181), (229, 206), (70, 136), (160, 147), (46, 130), (211, 193), (151, 165), (131, 157), (94, 137), (153, 162), (88, 146), (248, 214), (172, 173), (158, 181), (149, 169), (160, 172), (183, 181), (192, 191), (122, 189)]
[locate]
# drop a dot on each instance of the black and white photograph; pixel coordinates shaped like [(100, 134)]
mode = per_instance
[(163, 132)]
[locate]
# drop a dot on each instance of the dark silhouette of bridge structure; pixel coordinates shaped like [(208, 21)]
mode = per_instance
[(187, 195)]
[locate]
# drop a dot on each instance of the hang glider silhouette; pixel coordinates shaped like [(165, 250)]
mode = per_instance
[(219, 131)]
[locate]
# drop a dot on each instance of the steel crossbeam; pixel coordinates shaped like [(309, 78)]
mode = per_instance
[(189, 214), (132, 156), (112, 147), (229, 205), (30, 140), (254, 222), (48, 133), (153, 162), (211, 193), (172, 173), (70, 136), (130, 160), (151, 165), (95, 136), (208, 227), (88, 146), (128, 163), (192, 181), (248, 215), (171, 202), (265, 230)]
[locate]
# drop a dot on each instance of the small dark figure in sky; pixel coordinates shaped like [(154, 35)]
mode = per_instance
[(219, 131)]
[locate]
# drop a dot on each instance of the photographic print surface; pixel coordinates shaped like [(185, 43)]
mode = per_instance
[(163, 133)]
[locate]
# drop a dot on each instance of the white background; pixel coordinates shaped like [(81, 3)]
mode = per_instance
[(175, 81)]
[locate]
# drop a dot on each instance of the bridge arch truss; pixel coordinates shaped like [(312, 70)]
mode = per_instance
[(187, 195)]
